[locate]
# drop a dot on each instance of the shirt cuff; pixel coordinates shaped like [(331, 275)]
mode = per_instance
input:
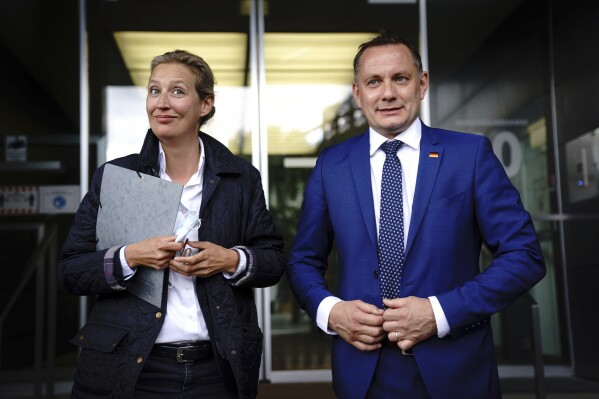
[(241, 266), (109, 274), (323, 312), (442, 324), (127, 271)]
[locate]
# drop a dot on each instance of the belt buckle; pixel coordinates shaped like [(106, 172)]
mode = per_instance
[(180, 355)]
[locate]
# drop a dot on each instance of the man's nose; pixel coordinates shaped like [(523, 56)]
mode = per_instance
[(388, 90)]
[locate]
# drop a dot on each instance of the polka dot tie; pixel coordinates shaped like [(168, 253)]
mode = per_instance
[(391, 243)]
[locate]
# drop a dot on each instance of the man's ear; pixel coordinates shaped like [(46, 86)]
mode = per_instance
[(356, 92), (423, 84)]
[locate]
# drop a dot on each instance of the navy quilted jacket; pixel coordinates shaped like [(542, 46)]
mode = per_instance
[(121, 329)]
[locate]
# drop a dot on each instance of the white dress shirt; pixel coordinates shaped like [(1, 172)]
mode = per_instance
[(409, 155), (184, 320)]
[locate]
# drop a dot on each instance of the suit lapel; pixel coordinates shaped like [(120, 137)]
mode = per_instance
[(428, 167), (359, 158)]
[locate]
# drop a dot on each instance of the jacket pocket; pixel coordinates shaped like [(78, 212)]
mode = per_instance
[(447, 201), (102, 370), (252, 352), (102, 337)]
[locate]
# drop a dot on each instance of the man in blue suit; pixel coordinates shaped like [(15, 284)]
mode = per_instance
[(432, 340)]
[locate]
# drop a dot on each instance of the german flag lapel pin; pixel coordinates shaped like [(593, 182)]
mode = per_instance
[(433, 154)]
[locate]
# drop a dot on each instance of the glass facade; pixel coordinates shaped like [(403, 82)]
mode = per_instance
[(521, 72), (496, 85)]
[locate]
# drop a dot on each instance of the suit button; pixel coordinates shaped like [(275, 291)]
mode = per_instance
[(139, 360), (158, 315), (376, 274)]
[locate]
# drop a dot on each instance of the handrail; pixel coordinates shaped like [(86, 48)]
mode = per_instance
[(537, 348), (31, 266), (43, 255), (539, 368)]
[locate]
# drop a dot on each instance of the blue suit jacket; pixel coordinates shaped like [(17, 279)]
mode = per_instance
[(462, 199)]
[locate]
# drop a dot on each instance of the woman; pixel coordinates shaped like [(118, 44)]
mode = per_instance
[(204, 340)]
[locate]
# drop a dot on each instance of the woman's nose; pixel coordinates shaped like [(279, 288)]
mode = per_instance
[(162, 101)]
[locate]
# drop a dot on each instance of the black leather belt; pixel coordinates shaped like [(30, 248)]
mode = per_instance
[(184, 353), (393, 345)]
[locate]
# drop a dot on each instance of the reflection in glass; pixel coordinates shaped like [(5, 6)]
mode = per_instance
[(309, 105), (494, 83)]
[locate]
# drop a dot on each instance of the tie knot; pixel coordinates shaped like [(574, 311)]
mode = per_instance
[(391, 147)]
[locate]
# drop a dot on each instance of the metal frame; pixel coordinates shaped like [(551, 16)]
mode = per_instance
[(83, 126), (425, 109), (540, 385), (43, 263), (558, 180)]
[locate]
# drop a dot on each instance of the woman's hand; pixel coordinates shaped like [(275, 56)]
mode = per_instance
[(210, 260), (155, 252)]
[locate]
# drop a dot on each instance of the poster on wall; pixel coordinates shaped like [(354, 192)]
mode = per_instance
[(18, 200)]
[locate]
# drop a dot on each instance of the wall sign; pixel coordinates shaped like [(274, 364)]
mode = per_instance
[(15, 148), (18, 200), (59, 199), (508, 149)]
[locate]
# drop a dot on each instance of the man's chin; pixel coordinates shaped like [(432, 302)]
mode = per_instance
[(392, 130)]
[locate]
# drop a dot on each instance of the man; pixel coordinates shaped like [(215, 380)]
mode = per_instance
[(410, 319)]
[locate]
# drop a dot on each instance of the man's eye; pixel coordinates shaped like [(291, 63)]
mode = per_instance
[(372, 83), (400, 79)]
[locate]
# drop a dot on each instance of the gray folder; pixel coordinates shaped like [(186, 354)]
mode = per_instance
[(135, 207)]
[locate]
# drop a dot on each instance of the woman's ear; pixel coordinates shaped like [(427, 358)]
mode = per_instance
[(206, 105)]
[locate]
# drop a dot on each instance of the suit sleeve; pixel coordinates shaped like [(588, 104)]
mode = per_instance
[(508, 232), (313, 242)]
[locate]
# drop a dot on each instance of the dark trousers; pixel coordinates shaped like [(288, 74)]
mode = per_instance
[(163, 378), (396, 376)]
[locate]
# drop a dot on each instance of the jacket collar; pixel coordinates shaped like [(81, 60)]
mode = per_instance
[(219, 160), (431, 155)]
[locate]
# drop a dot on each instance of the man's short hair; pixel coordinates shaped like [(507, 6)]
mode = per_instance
[(385, 39)]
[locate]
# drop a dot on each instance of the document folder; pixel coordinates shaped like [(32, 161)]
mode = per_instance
[(133, 207)]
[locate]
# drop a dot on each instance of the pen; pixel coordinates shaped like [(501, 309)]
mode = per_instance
[(184, 251)]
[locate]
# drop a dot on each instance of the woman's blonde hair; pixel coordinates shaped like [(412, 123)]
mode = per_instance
[(200, 69)]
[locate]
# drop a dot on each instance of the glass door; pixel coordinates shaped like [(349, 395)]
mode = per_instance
[(123, 38), (220, 35), (495, 82), (308, 105)]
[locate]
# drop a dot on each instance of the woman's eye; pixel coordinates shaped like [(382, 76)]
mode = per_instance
[(178, 92), (153, 91)]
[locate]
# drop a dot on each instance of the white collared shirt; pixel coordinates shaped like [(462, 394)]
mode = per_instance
[(184, 320), (409, 156)]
